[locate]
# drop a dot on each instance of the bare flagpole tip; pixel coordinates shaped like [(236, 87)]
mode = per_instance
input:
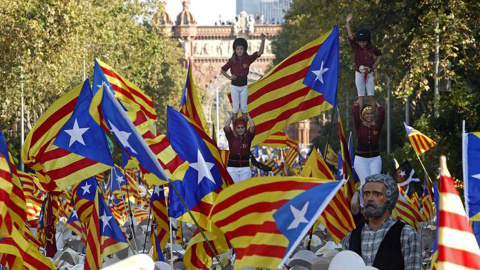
[(443, 166)]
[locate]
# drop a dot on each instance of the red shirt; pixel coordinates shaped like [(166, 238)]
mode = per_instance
[(364, 57), (239, 148), (240, 67), (368, 138)]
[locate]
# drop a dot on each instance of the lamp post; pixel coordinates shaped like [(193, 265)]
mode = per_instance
[(22, 127)]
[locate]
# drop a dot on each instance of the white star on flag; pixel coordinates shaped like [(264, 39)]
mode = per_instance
[(319, 73), (402, 174), (157, 190), (122, 137), (86, 188), (203, 168), (476, 176), (120, 179), (298, 216), (76, 134), (105, 219), (74, 213)]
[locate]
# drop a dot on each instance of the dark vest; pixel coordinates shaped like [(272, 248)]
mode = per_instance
[(389, 255)]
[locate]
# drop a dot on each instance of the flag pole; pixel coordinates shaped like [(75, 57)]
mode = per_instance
[(200, 229), (423, 166), (131, 215), (148, 225), (171, 241), (329, 134)]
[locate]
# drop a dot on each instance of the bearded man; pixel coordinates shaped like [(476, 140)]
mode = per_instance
[(382, 241)]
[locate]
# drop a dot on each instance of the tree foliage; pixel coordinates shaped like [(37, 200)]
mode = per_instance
[(407, 32), (47, 42)]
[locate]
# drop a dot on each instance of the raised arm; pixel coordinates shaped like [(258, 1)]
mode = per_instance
[(252, 124), (262, 45), (349, 31)]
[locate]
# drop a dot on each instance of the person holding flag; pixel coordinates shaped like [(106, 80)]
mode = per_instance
[(239, 142)]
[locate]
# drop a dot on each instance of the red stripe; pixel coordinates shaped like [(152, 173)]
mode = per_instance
[(454, 221), (416, 146), (263, 188), (458, 257), (305, 105), (71, 168), (261, 250), (261, 207), (40, 131), (253, 229), (112, 73), (203, 207), (279, 83), (122, 91), (194, 260), (421, 140), (447, 186)]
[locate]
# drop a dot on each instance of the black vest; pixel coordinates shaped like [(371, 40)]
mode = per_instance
[(389, 255)]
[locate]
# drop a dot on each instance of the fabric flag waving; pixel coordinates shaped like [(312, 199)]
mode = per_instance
[(471, 174), (126, 133), (345, 160), (301, 86), (130, 94), (6, 187), (316, 167), (407, 178), (428, 210), (265, 218), (457, 246), (160, 213), (206, 174), (82, 135), (104, 235), (420, 142), (190, 105)]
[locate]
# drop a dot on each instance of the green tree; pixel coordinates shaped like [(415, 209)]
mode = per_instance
[(47, 43)]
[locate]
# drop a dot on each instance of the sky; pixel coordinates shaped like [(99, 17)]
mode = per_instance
[(205, 12)]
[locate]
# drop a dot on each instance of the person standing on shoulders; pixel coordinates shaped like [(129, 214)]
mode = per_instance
[(239, 142)]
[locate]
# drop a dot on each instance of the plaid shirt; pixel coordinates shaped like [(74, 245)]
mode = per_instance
[(371, 241)]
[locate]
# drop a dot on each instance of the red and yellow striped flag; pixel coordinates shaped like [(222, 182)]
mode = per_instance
[(349, 188), (6, 187), (56, 166), (190, 105), (280, 97), (126, 91), (316, 167), (457, 246), (277, 139), (420, 142), (428, 210), (291, 156), (405, 211)]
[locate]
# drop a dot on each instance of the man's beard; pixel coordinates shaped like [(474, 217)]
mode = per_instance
[(376, 211)]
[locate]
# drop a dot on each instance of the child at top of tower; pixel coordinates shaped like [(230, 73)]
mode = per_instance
[(239, 67), (367, 58)]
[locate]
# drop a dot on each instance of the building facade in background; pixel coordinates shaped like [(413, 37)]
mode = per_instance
[(265, 11), (208, 48)]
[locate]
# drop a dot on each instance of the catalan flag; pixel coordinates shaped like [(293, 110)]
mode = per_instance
[(84, 196), (160, 213), (124, 90), (104, 235), (265, 219), (190, 105), (56, 166), (457, 246), (127, 134), (301, 86), (471, 174), (316, 167), (19, 253), (206, 174), (419, 141), (198, 254), (277, 139), (428, 210), (17, 206), (331, 156), (405, 211), (6, 187), (155, 239), (77, 226), (346, 161), (291, 156)]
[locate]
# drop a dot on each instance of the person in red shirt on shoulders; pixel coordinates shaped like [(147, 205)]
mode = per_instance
[(367, 58), (367, 155), (239, 66), (239, 143)]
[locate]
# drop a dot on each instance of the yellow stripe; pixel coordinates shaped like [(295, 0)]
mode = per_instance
[(457, 239), (451, 203), (451, 266), (257, 261)]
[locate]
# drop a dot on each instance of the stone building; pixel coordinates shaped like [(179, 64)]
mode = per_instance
[(208, 48)]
